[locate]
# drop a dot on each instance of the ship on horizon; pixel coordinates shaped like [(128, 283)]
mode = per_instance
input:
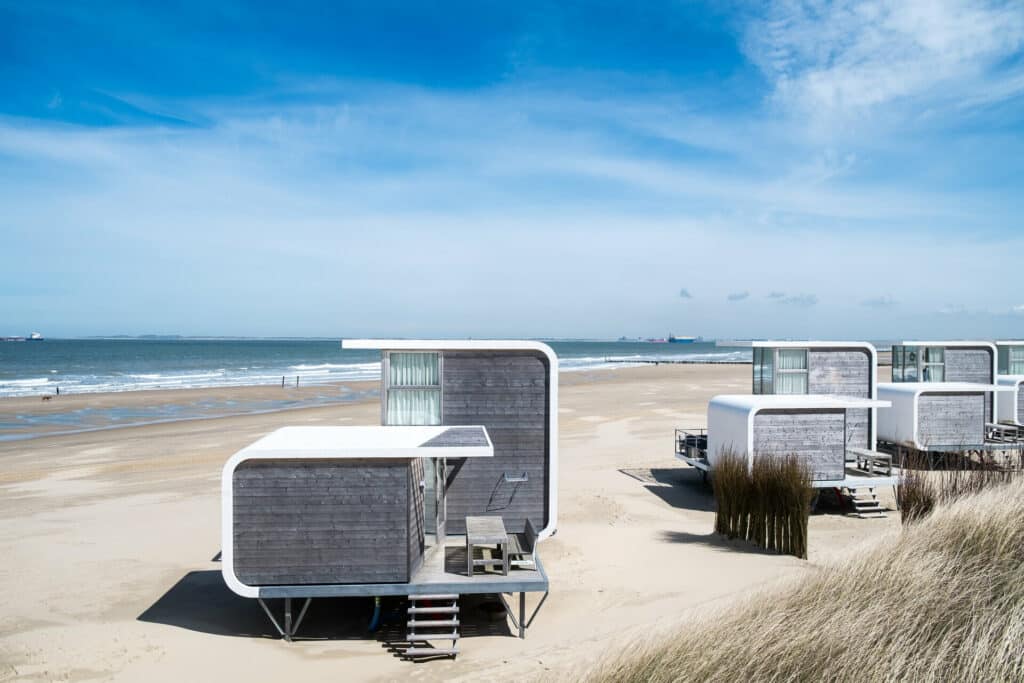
[(35, 336)]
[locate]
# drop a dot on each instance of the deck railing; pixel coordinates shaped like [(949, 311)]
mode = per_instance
[(692, 443)]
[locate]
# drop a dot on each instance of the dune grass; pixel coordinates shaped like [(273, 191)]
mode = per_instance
[(767, 503), (928, 481), (941, 600)]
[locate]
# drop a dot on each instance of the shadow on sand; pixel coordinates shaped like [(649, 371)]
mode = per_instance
[(200, 601), (713, 540), (680, 487)]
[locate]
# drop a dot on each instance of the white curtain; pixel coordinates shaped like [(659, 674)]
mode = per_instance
[(791, 383), (792, 359), (791, 374), (413, 369), (1016, 365), (414, 407)]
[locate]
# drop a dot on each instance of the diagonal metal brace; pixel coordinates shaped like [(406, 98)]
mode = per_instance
[(290, 627), (522, 623)]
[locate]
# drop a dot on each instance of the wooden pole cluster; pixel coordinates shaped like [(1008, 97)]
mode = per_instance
[(768, 503)]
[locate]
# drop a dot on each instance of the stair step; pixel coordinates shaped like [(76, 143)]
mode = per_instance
[(452, 596), (875, 515), (454, 609), (430, 651), (413, 637), (432, 623)]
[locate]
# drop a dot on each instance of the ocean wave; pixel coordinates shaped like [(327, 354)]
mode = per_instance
[(578, 363), (333, 366), (28, 382)]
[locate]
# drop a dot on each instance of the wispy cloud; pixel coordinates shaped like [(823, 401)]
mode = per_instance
[(738, 296), (879, 302), (797, 300), (684, 293), (1018, 309), (953, 309), (800, 300), (829, 57)]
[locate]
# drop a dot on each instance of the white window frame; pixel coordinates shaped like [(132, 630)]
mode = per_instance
[(387, 388), (923, 365), (803, 371)]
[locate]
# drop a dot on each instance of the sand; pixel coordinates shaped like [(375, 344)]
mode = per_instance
[(109, 542)]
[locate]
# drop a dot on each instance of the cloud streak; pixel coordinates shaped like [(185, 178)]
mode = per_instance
[(738, 296), (826, 57), (879, 302)]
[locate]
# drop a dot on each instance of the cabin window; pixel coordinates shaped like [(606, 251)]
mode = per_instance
[(904, 363), (764, 366), (413, 385), (1011, 360), (791, 371), (933, 364)]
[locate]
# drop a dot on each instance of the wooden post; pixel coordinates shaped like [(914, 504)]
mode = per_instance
[(282, 381), (296, 380)]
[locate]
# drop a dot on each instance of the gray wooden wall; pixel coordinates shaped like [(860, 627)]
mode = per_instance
[(302, 522), (971, 364), (844, 372), (507, 392), (951, 419), (816, 436)]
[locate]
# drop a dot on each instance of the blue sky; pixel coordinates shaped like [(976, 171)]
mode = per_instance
[(513, 169)]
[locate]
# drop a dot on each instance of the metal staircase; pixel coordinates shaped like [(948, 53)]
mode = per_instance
[(865, 502), (432, 617)]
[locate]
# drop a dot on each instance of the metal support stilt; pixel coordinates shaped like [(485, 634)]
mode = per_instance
[(522, 616), (288, 632)]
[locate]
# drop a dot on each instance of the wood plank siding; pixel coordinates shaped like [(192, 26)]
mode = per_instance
[(507, 392), (299, 522), (816, 436), (971, 364), (844, 372), (953, 419)]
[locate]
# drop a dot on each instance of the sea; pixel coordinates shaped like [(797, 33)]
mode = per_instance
[(93, 366), (32, 368)]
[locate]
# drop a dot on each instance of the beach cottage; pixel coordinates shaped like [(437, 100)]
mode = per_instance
[(822, 368), (943, 393), (450, 495), (818, 429), (1011, 382)]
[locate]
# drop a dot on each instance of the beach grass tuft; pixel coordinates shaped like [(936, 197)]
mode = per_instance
[(938, 600), (928, 480), (767, 503)]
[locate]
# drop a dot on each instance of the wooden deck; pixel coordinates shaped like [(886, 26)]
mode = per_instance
[(441, 572)]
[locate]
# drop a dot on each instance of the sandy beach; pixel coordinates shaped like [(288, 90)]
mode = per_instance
[(110, 540)]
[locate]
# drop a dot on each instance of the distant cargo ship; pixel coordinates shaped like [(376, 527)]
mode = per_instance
[(672, 339), (35, 336)]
